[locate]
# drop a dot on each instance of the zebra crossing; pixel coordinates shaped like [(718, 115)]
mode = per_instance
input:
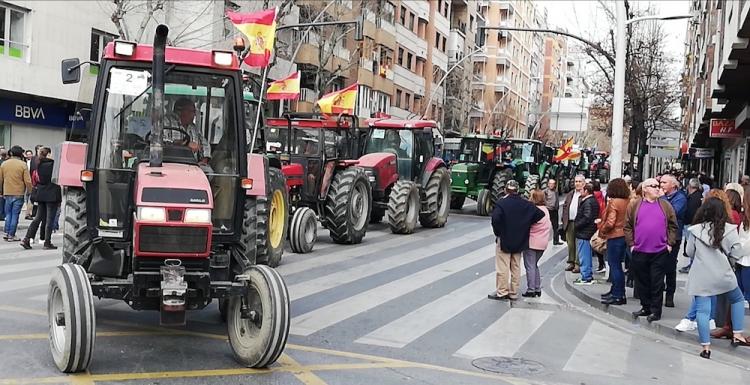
[(423, 297)]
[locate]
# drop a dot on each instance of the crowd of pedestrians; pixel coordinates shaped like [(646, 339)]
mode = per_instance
[(640, 230), (26, 181)]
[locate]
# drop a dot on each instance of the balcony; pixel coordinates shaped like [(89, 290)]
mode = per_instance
[(442, 24), (480, 57), (408, 80), (440, 59), (503, 57), (411, 41), (507, 6), (456, 44), (502, 84)]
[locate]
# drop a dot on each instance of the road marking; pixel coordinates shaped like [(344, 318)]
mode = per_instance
[(334, 313), (307, 377), (408, 328), (25, 283), (347, 252), (44, 336), (19, 267), (602, 351), (506, 335), (352, 274)]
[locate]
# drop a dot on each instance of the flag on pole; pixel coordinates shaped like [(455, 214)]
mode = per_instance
[(284, 89), (260, 29), (565, 151), (339, 102)]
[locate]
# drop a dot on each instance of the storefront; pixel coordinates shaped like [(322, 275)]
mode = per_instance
[(27, 121)]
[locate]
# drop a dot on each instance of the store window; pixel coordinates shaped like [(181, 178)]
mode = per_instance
[(13, 32), (5, 135)]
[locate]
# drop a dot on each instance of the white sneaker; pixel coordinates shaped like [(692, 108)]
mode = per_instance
[(711, 325), (686, 325)]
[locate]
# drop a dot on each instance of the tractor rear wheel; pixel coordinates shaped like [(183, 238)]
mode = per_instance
[(303, 231), (498, 185), (272, 219), (376, 215), (532, 183), (249, 231), (457, 201), (403, 207), (259, 338), (76, 236), (347, 209), (438, 196), (72, 318), (484, 202)]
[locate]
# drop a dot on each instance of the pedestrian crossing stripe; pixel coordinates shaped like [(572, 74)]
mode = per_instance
[(599, 340), (504, 337)]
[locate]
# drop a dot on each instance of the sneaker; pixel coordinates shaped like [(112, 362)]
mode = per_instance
[(686, 325), (711, 325), (601, 270), (579, 281), (576, 270), (13, 239), (685, 270)]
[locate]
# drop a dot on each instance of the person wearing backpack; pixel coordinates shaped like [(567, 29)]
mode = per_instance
[(48, 196)]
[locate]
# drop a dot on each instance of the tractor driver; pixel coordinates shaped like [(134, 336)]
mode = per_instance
[(392, 143), (183, 118)]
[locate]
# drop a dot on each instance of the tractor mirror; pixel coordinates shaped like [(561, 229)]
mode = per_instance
[(71, 71)]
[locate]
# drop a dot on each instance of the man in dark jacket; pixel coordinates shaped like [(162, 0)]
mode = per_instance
[(49, 197), (570, 209), (694, 201), (678, 200), (585, 225), (511, 222)]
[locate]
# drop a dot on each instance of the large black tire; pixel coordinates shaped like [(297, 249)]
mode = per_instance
[(497, 190), (72, 318), (437, 199), (303, 232), (258, 342), (484, 203), (532, 183), (457, 201), (347, 209), (273, 220), (377, 214), (76, 236), (249, 232), (403, 207)]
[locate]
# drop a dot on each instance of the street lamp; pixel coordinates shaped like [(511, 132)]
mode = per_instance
[(618, 108)]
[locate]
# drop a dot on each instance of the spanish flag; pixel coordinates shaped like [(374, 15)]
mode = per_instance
[(339, 102), (260, 29), (564, 152), (284, 89)]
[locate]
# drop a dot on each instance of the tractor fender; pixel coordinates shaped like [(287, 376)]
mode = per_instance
[(329, 168), (70, 160), (294, 174), (384, 166), (257, 169), (432, 165)]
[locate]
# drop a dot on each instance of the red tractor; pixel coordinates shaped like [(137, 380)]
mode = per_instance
[(316, 153), (409, 182), (162, 204)]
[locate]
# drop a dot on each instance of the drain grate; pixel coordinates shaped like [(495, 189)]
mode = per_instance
[(508, 365)]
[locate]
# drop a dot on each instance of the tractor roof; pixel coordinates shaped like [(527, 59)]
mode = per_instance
[(308, 123), (401, 123), (173, 55), (521, 140), (483, 136)]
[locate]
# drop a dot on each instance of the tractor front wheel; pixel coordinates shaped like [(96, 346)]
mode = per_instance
[(76, 237), (272, 220), (258, 323), (438, 195), (347, 209), (484, 202), (457, 201), (303, 231), (72, 319), (403, 207)]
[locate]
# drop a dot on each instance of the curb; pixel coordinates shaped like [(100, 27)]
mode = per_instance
[(657, 327)]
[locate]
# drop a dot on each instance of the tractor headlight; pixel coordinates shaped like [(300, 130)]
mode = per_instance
[(152, 214), (197, 216), (370, 175), (466, 181)]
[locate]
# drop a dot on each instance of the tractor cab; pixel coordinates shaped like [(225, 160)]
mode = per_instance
[(411, 141)]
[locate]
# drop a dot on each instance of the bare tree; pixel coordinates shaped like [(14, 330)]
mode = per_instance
[(122, 9), (458, 101)]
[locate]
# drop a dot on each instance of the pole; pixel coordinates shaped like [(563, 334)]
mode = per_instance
[(260, 106), (440, 83), (618, 107)]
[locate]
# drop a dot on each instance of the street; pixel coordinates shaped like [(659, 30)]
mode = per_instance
[(391, 310)]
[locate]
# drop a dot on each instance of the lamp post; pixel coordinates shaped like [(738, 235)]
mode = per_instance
[(440, 83)]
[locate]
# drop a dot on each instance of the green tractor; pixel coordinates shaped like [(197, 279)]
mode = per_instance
[(485, 163)]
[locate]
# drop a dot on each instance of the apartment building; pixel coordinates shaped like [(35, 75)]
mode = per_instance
[(554, 81), (461, 43), (714, 88), (502, 81)]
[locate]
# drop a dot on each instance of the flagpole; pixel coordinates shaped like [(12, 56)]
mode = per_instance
[(260, 105)]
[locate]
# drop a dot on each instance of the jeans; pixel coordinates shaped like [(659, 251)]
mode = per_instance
[(703, 305), (583, 249), (743, 279), (648, 269), (691, 314), (615, 257), (530, 262), (45, 214), (13, 206), (2, 209), (570, 239)]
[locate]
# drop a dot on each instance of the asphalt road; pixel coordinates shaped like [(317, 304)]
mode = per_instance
[(395, 309)]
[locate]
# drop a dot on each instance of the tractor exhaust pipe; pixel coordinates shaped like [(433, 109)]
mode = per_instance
[(157, 107)]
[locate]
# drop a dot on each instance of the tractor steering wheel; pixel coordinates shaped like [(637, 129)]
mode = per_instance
[(183, 142)]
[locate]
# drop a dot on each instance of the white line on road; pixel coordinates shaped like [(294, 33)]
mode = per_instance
[(19, 267), (352, 274), (602, 351), (505, 336), (334, 313), (25, 283)]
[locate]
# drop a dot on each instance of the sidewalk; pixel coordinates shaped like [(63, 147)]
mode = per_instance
[(670, 316)]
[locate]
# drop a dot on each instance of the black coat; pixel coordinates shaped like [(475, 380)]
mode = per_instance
[(511, 222), (588, 211), (694, 202), (46, 191)]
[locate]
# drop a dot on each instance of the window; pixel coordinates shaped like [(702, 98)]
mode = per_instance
[(409, 58), (407, 101), (411, 22), (387, 12), (437, 39), (398, 99), (471, 23), (99, 40), (402, 16), (401, 57), (12, 31), (445, 43)]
